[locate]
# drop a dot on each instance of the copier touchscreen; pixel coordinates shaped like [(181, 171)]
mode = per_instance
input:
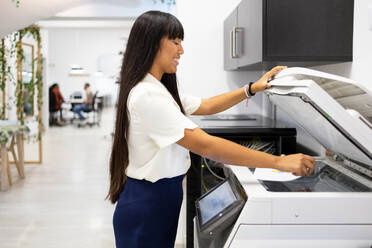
[(216, 201)]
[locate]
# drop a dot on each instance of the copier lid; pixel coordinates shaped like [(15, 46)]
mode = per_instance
[(336, 111)]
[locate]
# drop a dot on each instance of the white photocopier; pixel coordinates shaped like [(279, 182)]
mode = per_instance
[(330, 208)]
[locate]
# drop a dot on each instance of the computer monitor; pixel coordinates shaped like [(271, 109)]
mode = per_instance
[(219, 208)]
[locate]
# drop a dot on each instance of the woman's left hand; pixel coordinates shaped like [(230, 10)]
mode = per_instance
[(262, 83)]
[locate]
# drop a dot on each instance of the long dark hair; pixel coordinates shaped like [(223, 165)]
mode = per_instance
[(142, 47)]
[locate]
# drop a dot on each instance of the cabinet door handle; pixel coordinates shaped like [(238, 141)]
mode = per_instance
[(233, 50), (232, 46)]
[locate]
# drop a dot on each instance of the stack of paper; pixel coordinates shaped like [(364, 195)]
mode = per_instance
[(267, 174)]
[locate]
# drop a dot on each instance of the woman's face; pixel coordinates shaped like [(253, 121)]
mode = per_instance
[(55, 89), (167, 58)]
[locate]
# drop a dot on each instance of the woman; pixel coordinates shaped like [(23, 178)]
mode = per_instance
[(152, 136), (55, 104)]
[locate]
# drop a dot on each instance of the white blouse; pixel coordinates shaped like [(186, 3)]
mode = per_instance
[(156, 123)]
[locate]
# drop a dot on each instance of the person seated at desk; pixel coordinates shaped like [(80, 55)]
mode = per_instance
[(55, 104), (86, 105)]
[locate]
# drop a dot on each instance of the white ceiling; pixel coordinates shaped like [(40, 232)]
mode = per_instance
[(126, 3), (32, 11), (126, 9)]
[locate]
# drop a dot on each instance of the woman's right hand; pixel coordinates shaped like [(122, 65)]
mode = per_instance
[(299, 164)]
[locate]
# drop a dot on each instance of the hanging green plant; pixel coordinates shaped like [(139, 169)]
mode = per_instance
[(19, 89), (2, 78), (8, 52), (33, 30), (16, 2), (13, 51)]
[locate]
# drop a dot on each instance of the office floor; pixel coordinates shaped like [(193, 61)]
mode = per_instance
[(61, 202)]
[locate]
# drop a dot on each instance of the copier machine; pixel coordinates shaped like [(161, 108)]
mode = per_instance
[(330, 208)]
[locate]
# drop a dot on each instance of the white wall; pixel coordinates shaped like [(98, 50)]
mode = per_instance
[(201, 69), (93, 49), (44, 52)]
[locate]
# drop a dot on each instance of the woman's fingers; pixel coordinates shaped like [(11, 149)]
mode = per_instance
[(299, 164), (304, 171), (300, 171), (274, 71), (278, 68), (263, 84), (312, 159), (309, 164)]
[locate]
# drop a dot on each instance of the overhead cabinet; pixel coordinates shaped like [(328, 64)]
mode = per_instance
[(259, 34)]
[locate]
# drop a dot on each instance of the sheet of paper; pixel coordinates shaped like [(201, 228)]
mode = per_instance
[(267, 174)]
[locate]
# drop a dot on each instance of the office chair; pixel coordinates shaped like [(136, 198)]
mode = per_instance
[(95, 109)]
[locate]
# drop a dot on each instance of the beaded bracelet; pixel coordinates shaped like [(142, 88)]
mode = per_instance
[(245, 90)]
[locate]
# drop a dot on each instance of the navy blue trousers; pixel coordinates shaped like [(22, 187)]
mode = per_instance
[(146, 214)]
